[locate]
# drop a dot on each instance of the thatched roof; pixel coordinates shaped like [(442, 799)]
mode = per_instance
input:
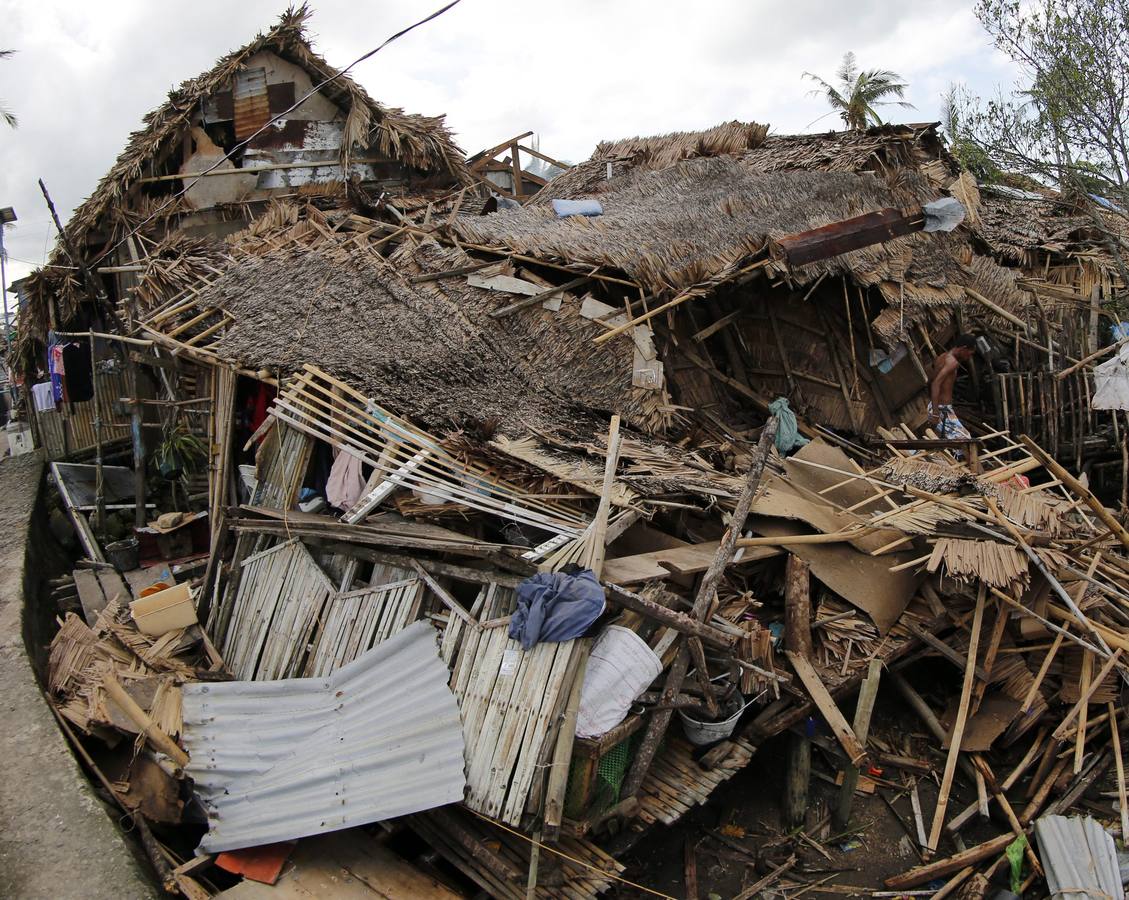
[(687, 223), (422, 143), (686, 209), (303, 292), (1019, 222)]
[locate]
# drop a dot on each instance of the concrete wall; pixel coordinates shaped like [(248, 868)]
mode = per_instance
[(57, 840)]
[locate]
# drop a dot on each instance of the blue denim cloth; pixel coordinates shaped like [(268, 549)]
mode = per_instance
[(553, 606)]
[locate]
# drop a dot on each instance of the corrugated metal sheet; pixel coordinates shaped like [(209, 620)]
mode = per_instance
[(1080, 858), (277, 760), (251, 103)]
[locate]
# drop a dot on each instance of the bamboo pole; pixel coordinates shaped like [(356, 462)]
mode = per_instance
[(141, 719)]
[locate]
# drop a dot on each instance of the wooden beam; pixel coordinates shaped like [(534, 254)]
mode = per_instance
[(141, 719), (850, 234), (671, 618), (961, 720), (863, 712), (484, 156), (541, 156), (831, 713)]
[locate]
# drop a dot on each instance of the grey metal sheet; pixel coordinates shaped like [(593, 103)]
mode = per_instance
[(1080, 858), (277, 760)]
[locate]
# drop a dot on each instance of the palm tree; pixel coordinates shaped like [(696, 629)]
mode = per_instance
[(857, 93), (6, 114)]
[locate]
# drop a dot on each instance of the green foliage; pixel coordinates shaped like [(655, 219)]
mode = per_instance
[(179, 453), (857, 93), (1066, 123)]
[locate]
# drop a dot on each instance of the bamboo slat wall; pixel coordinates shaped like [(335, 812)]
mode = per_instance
[(69, 432)]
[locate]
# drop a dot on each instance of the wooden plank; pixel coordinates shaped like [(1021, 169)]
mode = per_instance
[(450, 602), (345, 865), (850, 234), (1115, 740), (831, 713), (504, 283), (689, 560), (863, 711), (90, 594), (535, 299), (947, 652), (1088, 691), (961, 719)]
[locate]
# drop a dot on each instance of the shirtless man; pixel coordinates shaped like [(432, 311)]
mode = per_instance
[(941, 415)]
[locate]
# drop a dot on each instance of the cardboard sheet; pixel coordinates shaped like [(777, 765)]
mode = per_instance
[(996, 713), (862, 580), (816, 480)]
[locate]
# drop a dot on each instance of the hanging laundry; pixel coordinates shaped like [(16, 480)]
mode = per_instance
[(78, 376), (258, 404), (55, 368), (346, 481), (44, 396)]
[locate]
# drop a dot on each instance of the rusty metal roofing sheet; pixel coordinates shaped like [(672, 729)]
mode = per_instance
[(251, 101), (276, 760)]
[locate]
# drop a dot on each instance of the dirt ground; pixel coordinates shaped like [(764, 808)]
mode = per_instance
[(738, 837)]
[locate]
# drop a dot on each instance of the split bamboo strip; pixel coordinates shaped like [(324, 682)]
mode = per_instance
[(958, 726)]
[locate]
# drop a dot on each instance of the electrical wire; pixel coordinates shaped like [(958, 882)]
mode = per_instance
[(268, 124)]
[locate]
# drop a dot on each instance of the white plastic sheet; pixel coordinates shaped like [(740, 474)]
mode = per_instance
[(1111, 380), (620, 667)]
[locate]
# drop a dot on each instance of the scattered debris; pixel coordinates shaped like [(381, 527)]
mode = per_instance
[(661, 415)]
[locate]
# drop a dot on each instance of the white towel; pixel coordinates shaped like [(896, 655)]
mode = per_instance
[(43, 396)]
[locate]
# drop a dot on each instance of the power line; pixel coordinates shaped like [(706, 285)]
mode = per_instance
[(267, 124)]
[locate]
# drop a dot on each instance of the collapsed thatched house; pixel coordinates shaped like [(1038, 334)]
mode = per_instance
[(343, 291), (223, 147)]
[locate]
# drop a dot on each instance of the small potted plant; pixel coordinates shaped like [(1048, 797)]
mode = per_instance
[(179, 453)]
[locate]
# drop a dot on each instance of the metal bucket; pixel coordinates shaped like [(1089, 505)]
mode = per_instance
[(702, 733), (123, 555)]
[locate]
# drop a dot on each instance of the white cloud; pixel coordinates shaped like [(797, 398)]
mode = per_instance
[(575, 73)]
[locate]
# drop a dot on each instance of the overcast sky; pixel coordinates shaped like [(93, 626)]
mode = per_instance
[(574, 72)]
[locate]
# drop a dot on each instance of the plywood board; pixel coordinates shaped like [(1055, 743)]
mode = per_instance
[(345, 865), (996, 713), (864, 581), (689, 560), (783, 499)]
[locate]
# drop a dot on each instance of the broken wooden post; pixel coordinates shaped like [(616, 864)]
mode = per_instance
[(797, 640), (703, 603), (868, 693)]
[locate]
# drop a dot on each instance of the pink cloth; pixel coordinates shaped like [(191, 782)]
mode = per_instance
[(346, 481)]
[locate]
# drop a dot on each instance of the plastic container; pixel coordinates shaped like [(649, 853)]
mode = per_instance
[(164, 610)]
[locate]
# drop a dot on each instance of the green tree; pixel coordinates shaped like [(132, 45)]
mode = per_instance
[(1066, 124), (857, 93), (954, 105), (6, 114)]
